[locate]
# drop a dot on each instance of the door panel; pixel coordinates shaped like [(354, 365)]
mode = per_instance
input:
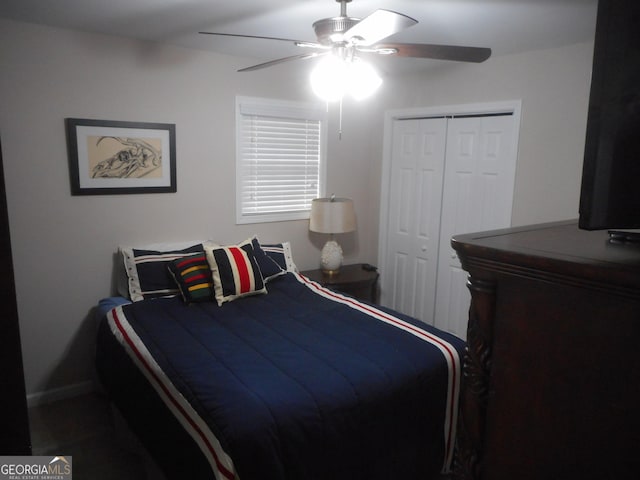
[(478, 195), (446, 177), (399, 269), (416, 180), (405, 187)]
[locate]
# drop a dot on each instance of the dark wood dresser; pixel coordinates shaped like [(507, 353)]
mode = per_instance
[(551, 383)]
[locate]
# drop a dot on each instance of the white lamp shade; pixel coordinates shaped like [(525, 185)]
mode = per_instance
[(332, 215)]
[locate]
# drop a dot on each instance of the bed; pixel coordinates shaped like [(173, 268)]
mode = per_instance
[(287, 380)]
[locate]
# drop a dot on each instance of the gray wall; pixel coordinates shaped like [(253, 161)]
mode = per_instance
[(554, 88), (63, 246)]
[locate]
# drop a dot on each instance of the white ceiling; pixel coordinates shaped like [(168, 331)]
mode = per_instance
[(506, 26)]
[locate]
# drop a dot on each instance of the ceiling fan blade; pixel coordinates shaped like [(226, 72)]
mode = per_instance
[(439, 52), (271, 63), (380, 24), (250, 36)]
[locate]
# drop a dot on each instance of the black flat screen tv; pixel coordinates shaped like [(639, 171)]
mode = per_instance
[(610, 193)]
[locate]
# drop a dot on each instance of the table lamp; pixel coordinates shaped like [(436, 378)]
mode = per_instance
[(332, 215)]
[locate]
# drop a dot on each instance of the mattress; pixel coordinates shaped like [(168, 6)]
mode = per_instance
[(299, 383)]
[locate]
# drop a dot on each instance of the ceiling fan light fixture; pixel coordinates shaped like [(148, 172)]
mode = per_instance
[(363, 79), (347, 36), (327, 78), (333, 77), (330, 30)]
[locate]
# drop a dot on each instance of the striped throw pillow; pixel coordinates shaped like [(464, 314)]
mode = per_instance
[(193, 277), (235, 272)]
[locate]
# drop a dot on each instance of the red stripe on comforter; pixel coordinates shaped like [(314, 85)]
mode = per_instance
[(172, 398), (449, 352)]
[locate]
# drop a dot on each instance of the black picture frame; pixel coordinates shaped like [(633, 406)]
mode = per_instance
[(108, 157)]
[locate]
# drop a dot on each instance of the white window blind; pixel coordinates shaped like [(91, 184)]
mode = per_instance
[(280, 166)]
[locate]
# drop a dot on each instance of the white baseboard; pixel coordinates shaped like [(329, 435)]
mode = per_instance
[(62, 393)]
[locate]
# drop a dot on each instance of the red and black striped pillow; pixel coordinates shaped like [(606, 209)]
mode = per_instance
[(235, 272)]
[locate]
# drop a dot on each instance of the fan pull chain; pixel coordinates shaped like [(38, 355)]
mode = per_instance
[(339, 116), (340, 121)]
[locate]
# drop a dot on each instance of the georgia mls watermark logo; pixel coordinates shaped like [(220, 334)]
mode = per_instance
[(36, 468)]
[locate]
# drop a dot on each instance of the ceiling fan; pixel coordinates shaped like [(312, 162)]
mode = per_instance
[(346, 37)]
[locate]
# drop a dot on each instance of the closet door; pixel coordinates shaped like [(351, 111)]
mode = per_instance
[(414, 206), (446, 176), (478, 195)]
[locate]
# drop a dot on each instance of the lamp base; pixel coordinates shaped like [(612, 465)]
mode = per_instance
[(331, 257)]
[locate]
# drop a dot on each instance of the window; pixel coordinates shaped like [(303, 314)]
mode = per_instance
[(280, 159)]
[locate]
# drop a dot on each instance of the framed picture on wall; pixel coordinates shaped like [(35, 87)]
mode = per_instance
[(113, 157)]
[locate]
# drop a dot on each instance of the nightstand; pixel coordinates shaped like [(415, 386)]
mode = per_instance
[(351, 279)]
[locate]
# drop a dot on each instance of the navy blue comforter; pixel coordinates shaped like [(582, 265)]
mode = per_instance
[(300, 383)]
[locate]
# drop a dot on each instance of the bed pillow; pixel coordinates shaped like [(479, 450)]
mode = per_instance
[(147, 272), (281, 254), (268, 266), (193, 278), (107, 304), (235, 272)]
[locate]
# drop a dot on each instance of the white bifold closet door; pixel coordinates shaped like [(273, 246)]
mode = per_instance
[(448, 176)]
